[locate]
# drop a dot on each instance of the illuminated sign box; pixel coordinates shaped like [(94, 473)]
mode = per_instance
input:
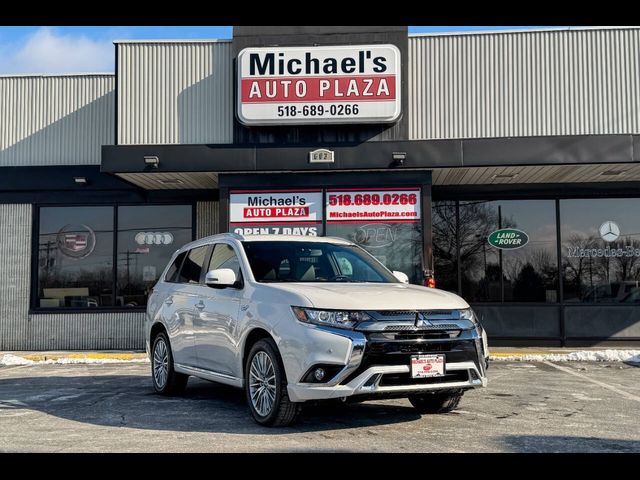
[(319, 85)]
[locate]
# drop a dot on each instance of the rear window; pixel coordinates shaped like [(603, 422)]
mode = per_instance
[(172, 273), (192, 267)]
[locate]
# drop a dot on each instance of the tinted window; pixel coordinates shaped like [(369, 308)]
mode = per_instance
[(313, 262), (147, 237), (445, 245), (525, 274), (396, 245), (192, 267), (174, 269), (75, 257), (224, 257), (600, 250)]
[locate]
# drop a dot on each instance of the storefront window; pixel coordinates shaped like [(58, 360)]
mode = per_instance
[(601, 250), (147, 237), (397, 246), (77, 247), (445, 245), (508, 251), (75, 259)]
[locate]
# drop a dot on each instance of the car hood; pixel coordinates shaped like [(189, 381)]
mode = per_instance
[(373, 296)]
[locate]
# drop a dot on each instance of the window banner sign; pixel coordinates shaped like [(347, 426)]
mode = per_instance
[(375, 205), (275, 212)]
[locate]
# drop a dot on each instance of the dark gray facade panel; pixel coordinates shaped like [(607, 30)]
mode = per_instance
[(540, 321), (176, 158), (548, 150), (221, 158), (595, 321), (207, 219), (636, 148), (576, 150)]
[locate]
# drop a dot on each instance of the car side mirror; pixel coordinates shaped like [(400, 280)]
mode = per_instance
[(401, 276), (221, 278)]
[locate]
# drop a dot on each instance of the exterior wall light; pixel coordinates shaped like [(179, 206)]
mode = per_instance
[(398, 158), (152, 161), (82, 181)]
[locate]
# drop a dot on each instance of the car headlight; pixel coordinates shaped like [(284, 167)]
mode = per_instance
[(331, 318), (468, 314)]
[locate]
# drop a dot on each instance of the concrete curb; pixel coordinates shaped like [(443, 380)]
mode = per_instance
[(500, 353), (41, 357)]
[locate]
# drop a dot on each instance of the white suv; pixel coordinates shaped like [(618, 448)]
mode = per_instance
[(293, 319)]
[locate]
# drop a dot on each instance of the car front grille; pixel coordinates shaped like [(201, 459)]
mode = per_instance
[(381, 351), (438, 326)]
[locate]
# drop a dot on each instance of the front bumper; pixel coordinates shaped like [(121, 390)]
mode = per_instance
[(369, 383), (378, 365)]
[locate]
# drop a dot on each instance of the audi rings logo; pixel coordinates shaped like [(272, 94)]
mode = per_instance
[(154, 238)]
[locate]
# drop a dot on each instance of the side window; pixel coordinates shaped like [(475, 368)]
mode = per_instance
[(224, 257), (172, 273), (192, 266)]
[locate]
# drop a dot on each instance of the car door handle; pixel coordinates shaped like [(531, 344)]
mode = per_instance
[(199, 305), (168, 301)]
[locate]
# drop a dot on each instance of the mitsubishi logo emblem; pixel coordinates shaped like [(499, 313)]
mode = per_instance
[(421, 321)]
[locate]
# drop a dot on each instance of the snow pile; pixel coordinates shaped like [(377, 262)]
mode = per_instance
[(9, 359), (632, 356)]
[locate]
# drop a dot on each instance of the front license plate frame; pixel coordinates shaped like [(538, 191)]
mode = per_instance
[(428, 366)]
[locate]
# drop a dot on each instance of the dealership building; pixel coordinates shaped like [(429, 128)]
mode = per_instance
[(504, 166)]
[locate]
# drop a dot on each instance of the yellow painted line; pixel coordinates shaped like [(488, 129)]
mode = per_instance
[(517, 354), (92, 355)]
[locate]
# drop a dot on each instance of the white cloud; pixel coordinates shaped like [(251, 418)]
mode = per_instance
[(47, 52)]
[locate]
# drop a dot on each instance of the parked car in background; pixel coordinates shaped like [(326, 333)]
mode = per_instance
[(296, 319)]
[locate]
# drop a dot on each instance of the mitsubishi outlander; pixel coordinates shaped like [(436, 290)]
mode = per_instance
[(293, 319)]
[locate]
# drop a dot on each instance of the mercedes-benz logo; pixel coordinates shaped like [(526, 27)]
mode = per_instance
[(609, 231)]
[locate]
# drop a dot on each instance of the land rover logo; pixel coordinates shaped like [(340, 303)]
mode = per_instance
[(508, 239), (609, 231)]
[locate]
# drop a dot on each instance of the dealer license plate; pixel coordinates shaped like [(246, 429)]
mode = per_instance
[(425, 366)]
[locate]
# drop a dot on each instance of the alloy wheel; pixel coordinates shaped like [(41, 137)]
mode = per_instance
[(160, 363), (262, 383)]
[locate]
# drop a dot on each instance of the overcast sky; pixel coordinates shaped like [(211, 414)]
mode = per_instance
[(90, 49)]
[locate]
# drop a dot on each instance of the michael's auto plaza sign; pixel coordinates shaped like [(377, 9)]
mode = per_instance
[(308, 85)]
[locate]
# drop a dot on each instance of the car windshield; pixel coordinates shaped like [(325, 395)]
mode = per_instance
[(280, 261)]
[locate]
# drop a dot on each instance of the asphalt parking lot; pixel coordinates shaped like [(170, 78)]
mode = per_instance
[(528, 407)]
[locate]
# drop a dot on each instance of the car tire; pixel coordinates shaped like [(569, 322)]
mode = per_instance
[(265, 386), (166, 381), (436, 402)]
